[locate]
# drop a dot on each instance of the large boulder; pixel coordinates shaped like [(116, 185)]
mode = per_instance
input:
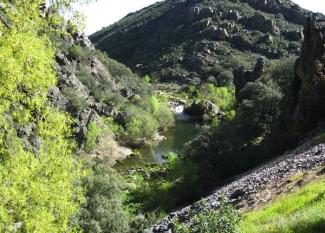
[(261, 23), (199, 108), (295, 35)]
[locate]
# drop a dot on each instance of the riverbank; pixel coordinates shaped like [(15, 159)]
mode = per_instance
[(172, 140)]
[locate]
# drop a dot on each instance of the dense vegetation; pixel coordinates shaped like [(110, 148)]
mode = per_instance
[(223, 220), (238, 141), (48, 182), (141, 113), (39, 176)]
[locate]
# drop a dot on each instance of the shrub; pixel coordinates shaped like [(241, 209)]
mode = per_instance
[(225, 79), (75, 52), (147, 78), (223, 220), (141, 127), (258, 108), (93, 134), (103, 210), (224, 97), (39, 186), (75, 102)]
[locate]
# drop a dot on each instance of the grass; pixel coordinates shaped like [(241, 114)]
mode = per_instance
[(302, 211)]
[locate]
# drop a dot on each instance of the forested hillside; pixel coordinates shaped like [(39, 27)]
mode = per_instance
[(215, 93), (189, 41), (68, 113)]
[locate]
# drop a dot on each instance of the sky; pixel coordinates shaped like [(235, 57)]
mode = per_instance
[(102, 13)]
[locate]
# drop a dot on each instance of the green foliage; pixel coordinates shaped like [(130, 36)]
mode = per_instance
[(280, 74), (258, 109), (225, 79), (147, 78), (75, 52), (300, 211), (154, 104), (145, 118), (117, 69), (93, 134), (141, 126), (223, 97), (166, 186), (103, 210), (223, 220), (39, 187), (75, 102)]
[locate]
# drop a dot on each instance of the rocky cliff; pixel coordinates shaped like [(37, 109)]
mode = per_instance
[(308, 91), (90, 86), (188, 40)]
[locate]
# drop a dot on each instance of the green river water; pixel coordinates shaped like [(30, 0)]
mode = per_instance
[(185, 129)]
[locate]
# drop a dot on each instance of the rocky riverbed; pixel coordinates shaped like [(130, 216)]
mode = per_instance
[(248, 185)]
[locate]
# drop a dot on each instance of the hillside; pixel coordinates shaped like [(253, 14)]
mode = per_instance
[(256, 187), (89, 145), (181, 41), (303, 121)]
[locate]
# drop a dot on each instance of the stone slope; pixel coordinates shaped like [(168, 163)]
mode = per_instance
[(182, 40), (86, 78), (245, 187)]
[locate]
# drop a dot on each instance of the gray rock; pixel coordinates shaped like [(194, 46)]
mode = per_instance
[(261, 23), (127, 93), (57, 98), (198, 108), (293, 35), (82, 40), (242, 76)]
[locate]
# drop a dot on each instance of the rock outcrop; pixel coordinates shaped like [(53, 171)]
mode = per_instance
[(242, 76), (308, 92), (83, 79), (200, 108)]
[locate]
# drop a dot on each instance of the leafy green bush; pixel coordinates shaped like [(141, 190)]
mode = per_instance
[(166, 186), (93, 134), (223, 97), (75, 102), (258, 108), (141, 126), (225, 79), (223, 220), (75, 52), (103, 210), (147, 78)]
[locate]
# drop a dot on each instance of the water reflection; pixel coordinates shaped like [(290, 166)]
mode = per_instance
[(185, 129)]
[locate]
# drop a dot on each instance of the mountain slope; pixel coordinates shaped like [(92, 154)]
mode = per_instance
[(305, 100), (252, 188), (182, 40)]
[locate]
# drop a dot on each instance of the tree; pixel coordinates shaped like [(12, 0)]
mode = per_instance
[(103, 211), (257, 109), (38, 173)]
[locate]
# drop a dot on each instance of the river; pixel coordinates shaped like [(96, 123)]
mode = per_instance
[(185, 129)]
